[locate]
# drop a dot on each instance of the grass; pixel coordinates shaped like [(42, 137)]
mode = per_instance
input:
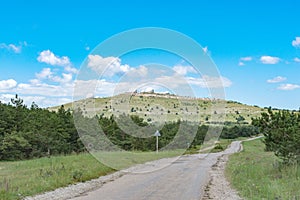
[(257, 174), (26, 178), (159, 107)]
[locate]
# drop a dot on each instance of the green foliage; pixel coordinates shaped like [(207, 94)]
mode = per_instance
[(34, 132), (282, 133), (14, 147), (232, 132)]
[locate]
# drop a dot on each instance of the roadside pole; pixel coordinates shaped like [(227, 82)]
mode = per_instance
[(157, 134)]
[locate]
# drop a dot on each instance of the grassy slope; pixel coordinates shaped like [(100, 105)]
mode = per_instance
[(25, 178), (158, 107), (256, 174)]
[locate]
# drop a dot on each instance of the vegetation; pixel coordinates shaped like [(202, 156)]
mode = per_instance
[(34, 132), (25, 178), (282, 134), (258, 174), (166, 107), (55, 156)]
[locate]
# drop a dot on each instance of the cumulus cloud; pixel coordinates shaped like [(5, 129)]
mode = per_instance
[(296, 42), (65, 78), (50, 86), (183, 70), (50, 58), (45, 73), (269, 60), (108, 66), (42, 101), (297, 59), (203, 82), (44, 89), (277, 79), (7, 84), (88, 88), (288, 86), (140, 71), (13, 47), (210, 82)]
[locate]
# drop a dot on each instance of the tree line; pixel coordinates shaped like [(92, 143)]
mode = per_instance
[(33, 132)]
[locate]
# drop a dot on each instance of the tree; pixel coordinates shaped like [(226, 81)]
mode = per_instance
[(14, 147), (282, 133), (240, 119)]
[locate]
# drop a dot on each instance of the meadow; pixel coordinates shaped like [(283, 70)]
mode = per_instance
[(162, 107), (257, 174), (26, 178)]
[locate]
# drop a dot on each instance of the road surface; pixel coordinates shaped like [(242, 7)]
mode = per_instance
[(185, 179)]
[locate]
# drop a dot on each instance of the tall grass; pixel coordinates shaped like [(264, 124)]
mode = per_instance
[(257, 174), (25, 178)]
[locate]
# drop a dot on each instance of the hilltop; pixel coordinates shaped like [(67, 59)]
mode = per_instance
[(153, 107)]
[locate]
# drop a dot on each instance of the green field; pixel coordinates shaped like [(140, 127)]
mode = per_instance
[(25, 178), (257, 174), (161, 107)]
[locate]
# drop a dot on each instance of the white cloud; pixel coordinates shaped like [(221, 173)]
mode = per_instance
[(204, 82), (13, 47), (71, 69), (147, 89), (296, 42), (66, 78), (210, 82), (141, 71), (288, 86), (269, 60), (183, 70), (277, 79), (248, 58), (41, 101), (88, 88), (44, 89), (48, 57), (7, 84), (244, 59), (108, 66), (45, 73), (241, 63), (297, 59)]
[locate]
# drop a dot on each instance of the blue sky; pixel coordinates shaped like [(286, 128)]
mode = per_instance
[(253, 43)]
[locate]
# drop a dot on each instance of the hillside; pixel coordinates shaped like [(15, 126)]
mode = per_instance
[(154, 107)]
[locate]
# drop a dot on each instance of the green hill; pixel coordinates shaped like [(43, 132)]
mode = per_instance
[(155, 107)]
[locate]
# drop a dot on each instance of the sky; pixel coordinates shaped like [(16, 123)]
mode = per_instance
[(254, 44)]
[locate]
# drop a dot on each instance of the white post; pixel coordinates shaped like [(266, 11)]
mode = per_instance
[(157, 134), (156, 144)]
